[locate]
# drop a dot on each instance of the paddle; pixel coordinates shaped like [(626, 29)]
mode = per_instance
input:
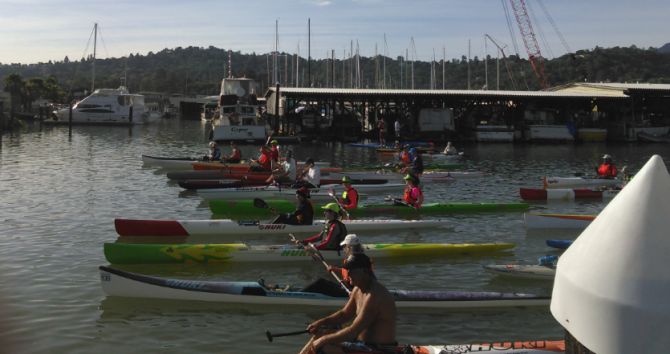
[(260, 203), (309, 248), (270, 335), (346, 213)]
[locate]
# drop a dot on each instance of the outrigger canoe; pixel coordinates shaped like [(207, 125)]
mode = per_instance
[(186, 163), (154, 253), (257, 177), (426, 177), (316, 194), (246, 209), (245, 167), (565, 194), (557, 221), (116, 282), (128, 227), (320, 195), (523, 271), (580, 182)]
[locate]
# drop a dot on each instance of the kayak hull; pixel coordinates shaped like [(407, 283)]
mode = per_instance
[(565, 194), (151, 253), (580, 182), (126, 284), (245, 208), (519, 271), (557, 221), (127, 227)]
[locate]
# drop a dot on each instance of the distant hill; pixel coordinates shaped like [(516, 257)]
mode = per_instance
[(198, 70), (665, 49)]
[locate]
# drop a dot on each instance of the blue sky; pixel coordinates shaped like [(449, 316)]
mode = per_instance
[(38, 31)]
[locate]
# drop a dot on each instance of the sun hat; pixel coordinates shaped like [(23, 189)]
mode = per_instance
[(212, 144), (332, 207), (351, 240), (346, 179), (275, 142)]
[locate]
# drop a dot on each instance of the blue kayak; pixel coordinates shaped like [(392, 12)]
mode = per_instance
[(560, 244)]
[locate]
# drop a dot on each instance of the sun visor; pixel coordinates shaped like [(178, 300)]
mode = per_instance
[(612, 285)]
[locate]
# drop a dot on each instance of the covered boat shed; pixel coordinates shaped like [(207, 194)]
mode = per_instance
[(341, 111)]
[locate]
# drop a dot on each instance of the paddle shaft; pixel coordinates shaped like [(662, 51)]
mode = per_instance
[(271, 336), (316, 252), (346, 213)]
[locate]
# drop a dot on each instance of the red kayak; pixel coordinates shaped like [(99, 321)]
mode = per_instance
[(564, 194)]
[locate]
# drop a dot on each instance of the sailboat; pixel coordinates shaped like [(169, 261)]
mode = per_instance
[(105, 106)]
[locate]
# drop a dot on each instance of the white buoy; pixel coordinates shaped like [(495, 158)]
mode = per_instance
[(612, 286)]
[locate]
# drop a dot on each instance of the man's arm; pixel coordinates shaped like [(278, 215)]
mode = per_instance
[(363, 320), (337, 318)]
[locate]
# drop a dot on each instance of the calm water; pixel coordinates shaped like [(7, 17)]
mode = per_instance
[(60, 195)]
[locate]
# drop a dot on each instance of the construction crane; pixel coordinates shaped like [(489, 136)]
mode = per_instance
[(507, 66), (530, 41)]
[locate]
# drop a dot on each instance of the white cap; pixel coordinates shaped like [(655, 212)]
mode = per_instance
[(612, 284), (351, 240)]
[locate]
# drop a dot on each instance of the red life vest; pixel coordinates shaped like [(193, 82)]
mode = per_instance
[(236, 154), (350, 198), (404, 158), (607, 170), (413, 200), (265, 161)]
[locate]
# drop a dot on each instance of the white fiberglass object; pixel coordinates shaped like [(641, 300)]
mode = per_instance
[(612, 286)]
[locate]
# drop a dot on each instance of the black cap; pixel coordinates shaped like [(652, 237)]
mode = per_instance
[(309, 160), (358, 261)]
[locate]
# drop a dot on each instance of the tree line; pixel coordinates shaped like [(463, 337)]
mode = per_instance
[(196, 70)]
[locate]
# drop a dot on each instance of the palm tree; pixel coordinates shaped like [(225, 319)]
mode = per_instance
[(16, 87)]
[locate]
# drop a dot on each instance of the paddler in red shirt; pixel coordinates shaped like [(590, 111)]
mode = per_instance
[(413, 196), (405, 158), (264, 161), (349, 198), (235, 155), (607, 168)]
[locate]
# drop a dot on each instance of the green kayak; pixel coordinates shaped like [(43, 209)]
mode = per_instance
[(245, 208)]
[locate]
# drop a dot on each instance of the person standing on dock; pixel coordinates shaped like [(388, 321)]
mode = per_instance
[(381, 127), (396, 127)]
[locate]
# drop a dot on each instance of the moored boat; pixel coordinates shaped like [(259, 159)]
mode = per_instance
[(246, 208), (557, 221), (153, 253), (116, 282), (579, 182), (565, 194), (128, 227)]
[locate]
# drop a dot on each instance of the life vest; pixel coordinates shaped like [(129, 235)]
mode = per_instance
[(350, 198), (413, 201), (237, 155), (607, 170), (405, 159), (265, 161)]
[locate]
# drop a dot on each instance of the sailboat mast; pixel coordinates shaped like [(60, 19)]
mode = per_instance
[(95, 44)]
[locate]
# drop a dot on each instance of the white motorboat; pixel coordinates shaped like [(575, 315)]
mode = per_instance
[(106, 107)]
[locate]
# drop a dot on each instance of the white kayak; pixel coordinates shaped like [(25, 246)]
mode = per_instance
[(130, 227), (557, 221), (270, 192), (522, 271), (117, 282), (579, 182), (186, 163), (427, 177)]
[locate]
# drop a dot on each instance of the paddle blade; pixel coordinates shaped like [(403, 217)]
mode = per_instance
[(260, 203), (269, 335)]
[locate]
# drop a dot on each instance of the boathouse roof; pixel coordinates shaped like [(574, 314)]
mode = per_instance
[(487, 94)]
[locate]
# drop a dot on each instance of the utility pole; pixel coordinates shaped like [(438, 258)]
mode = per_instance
[(309, 52)]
